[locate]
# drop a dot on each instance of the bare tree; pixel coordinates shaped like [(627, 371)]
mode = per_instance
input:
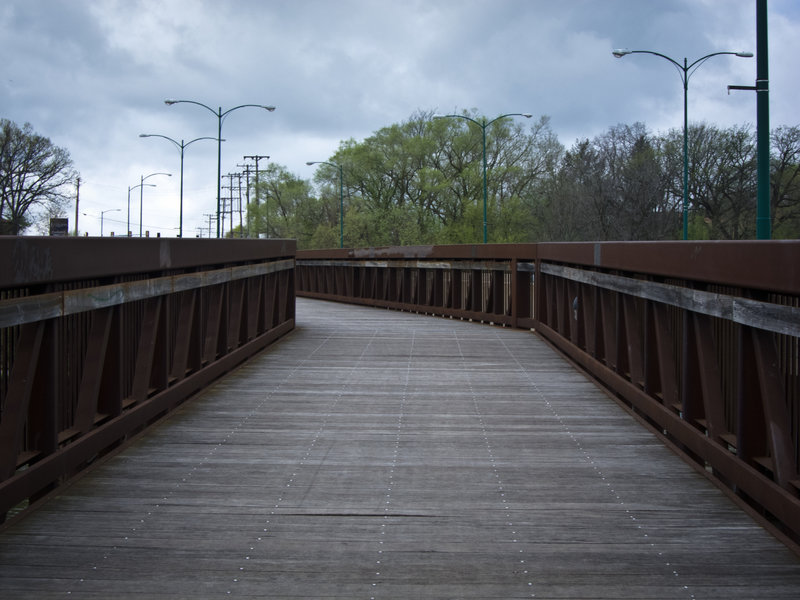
[(722, 180), (786, 182), (613, 187), (33, 173)]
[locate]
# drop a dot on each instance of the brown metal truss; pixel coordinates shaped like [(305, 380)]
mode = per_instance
[(91, 363)]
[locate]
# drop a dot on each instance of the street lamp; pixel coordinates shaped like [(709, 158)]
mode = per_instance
[(220, 117), (483, 125), (182, 147), (341, 196), (128, 232), (103, 212), (685, 71), (141, 196)]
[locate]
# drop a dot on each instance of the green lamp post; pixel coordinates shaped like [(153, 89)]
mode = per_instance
[(483, 124), (685, 71), (181, 146), (341, 196), (220, 117)]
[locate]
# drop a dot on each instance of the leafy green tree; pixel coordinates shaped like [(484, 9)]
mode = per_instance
[(277, 204), (518, 163), (34, 173), (422, 181), (324, 216)]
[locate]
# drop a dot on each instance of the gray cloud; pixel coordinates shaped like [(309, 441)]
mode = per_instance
[(92, 75)]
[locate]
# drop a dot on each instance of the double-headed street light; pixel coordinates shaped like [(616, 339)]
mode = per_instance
[(220, 117), (181, 146), (685, 71), (141, 195), (341, 196), (483, 124)]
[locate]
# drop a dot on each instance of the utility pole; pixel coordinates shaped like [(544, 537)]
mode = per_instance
[(256, 158), (230, 188), (77, 201), (241, 224), (210, 219), (246, 168), (223, 208)]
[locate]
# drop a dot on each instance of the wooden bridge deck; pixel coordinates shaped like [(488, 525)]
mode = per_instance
[(377, 454)]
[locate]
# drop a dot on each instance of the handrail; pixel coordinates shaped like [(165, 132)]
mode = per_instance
[(100, 337), (701, 340)]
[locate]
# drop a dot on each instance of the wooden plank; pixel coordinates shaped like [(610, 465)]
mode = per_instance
[(28, 309), (380, 454)]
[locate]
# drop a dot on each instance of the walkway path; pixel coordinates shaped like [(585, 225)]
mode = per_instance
[(378, 454)]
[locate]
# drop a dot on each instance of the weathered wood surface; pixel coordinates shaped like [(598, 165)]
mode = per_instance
[(377, 454)]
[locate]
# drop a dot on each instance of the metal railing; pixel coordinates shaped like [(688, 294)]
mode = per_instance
[(100, 337), (490, 283), (700, 340)]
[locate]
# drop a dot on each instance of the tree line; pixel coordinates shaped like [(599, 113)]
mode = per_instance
[(421, 182)]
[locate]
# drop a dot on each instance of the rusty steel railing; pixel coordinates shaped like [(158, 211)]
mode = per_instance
[(101, 336), (700, 340), (489, 283)]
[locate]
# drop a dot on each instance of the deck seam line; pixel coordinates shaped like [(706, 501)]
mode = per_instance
[(522, 569), (587, 458)]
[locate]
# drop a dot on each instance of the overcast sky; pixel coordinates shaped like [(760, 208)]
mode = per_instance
[(93, 74)]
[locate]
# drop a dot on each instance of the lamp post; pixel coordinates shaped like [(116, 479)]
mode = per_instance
[(141, 196), (128, 233), (182, 147), (685, 71), (103, 212), (341, 196), (220, 117), (483, 124)]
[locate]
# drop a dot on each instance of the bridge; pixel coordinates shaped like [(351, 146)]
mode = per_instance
[(514, 421)]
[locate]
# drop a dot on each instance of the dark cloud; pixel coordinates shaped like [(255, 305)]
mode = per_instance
[(93, 74)]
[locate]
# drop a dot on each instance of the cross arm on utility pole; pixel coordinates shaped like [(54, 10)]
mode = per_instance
[(749, 88)]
